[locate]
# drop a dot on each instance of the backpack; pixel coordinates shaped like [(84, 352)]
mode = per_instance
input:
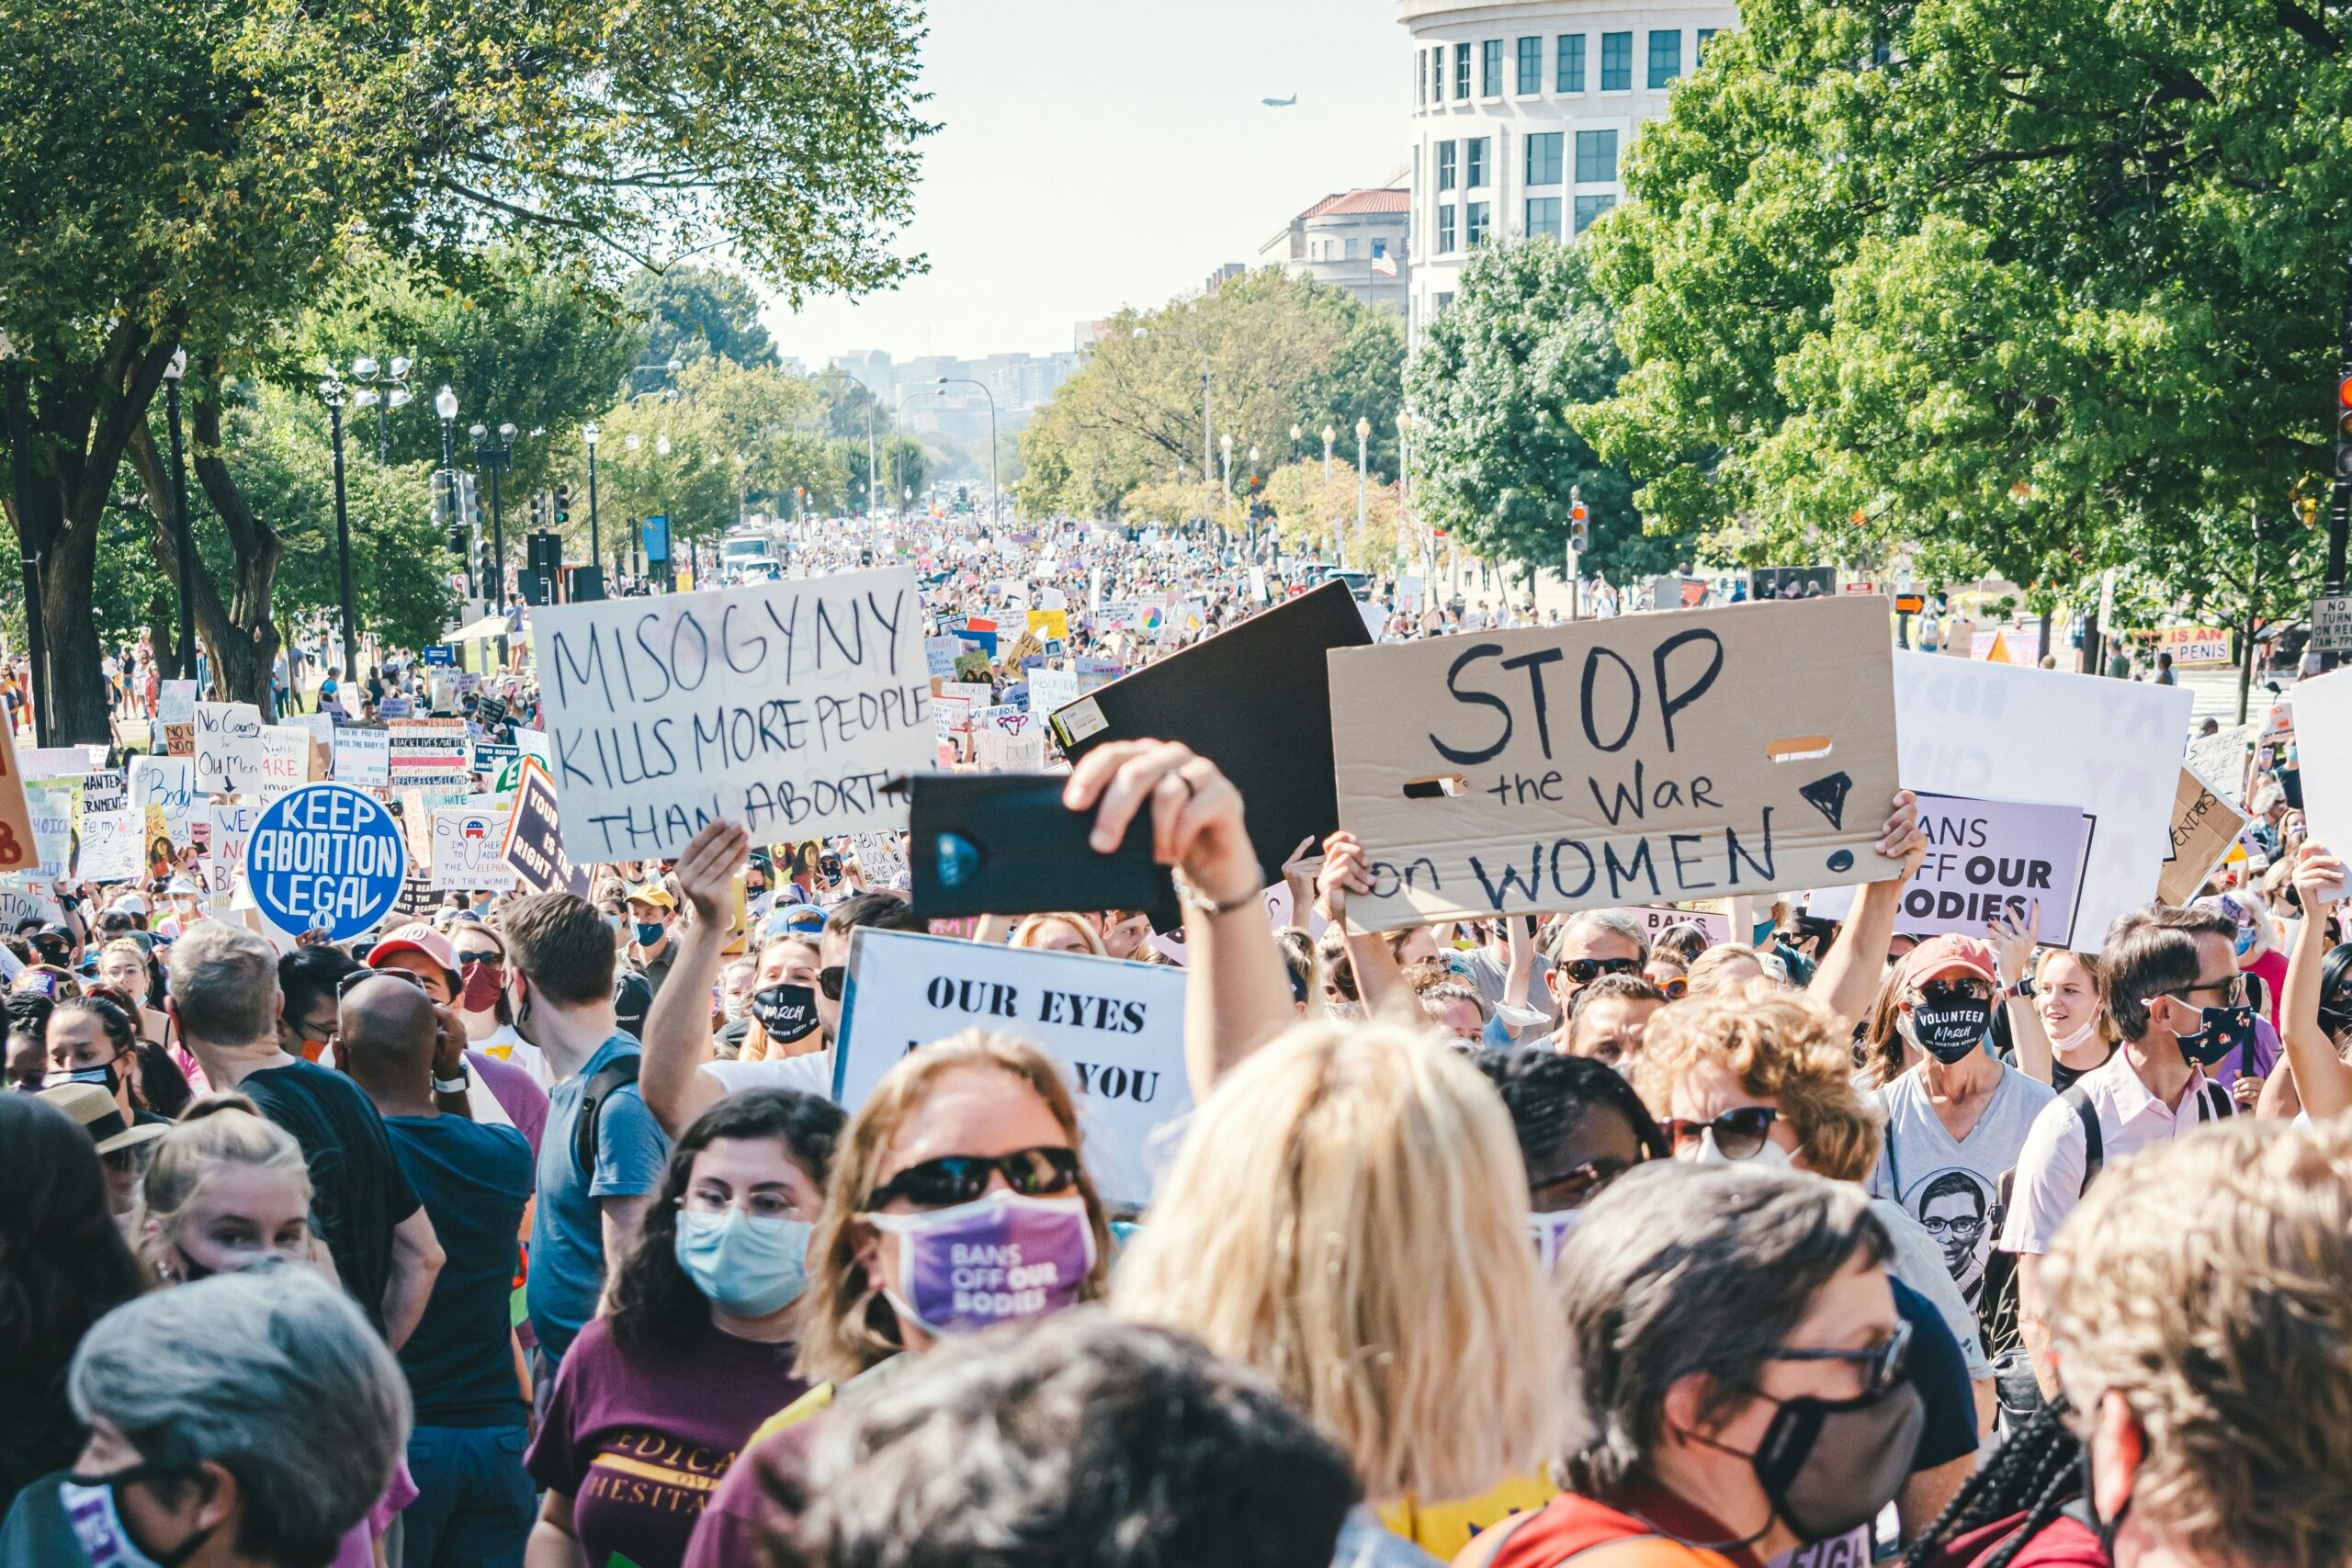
[(616, 1073)]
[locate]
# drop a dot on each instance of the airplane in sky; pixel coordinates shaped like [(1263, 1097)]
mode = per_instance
[(1280, 103)]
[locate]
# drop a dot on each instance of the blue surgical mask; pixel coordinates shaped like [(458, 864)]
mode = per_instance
[(746, 1265), (649, 932)]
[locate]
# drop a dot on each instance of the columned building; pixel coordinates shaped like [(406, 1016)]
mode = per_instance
[(1353, 240), (1523, 113)]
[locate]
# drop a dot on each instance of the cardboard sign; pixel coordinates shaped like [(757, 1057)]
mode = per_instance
[(20, 845), (1636, 760), (52, 825), (228, 747), (1987, 858), (466, 844), (43, 762), (533, 848), (1052, 689), (233, 827), (2219, 758), (2008, 732), (106, 789), (2204, 825), (23, 899), (2321, 709), (429, 753), (1116, 1029), (179, 738), (363, 758), (169, 784), (175, 702), (284, 762), (112, 847), (785, 706), (880, 858), (325, 857)]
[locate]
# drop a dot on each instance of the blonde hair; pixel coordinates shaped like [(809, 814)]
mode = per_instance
[(1707, 971), (1026, 934), (846, 1325), (2104, 1028), (216, 1131), (756, 1045), (1348, 1217), (1780, 1045), (2208, 1280)]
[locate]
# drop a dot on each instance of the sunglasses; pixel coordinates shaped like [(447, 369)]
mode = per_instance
[(1676, 989), (1578, 1187), (830, 978), (1739, 1134), (2233, 991), (357, 977), (1882, 1364), (1944, 993), (1584, 971), (959, 1179)]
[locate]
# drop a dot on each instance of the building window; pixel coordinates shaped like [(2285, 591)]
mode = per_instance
[(1616, 62), (1543, 216), (1352, 250), (1530, 66), (1474, 150), (1478, 220), (1591, 207), (1445, 165), (1490, 69), (1439, 302), (1595, 157), (1461, 70), (1666, 56), (1445, 241), (1571, 78), (1698, 55), (1544, 157)]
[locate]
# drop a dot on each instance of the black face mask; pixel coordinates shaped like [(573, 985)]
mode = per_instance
[(786, 1012), (1828, 1467), (1952, 1029), (2225, 1030)]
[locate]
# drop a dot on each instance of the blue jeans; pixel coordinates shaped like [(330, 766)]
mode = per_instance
[(474, 1504)]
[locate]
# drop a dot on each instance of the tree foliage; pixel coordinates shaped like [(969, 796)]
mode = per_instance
[(693, 312), (1278, 352)]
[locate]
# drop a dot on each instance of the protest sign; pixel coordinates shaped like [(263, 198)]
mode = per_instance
[(168, 783), (395, 707), (1000, 751), (26, 898), (325, 857), (1051, 688), (781, 706), (363, 758), (466, 843), (175, 702), (939, 654), (417, 900), (2006, 732), (38, 763), (534, 844), (1714, 926), (1987, 858), (429, 753), (106, 789), (1049, 623), (2219, 759), (52, 825), (1171, 944), (2321, 709), (111, 848), (2204, 825), (20, 846), (179, 738), (1117, 1030), (1640, 759), (879, 857), (284, 762), (2194, 645), (534, 743), (233, 827), (228, 747)]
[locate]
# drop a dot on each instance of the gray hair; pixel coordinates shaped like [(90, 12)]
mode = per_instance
[(1679, 1272), (1615, 920), (224, 984), (272, 1374)]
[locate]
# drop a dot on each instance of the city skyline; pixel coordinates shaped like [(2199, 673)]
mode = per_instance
[(1034, 223)]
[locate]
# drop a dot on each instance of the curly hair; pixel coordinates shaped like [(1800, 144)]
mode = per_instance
[(1780, 1045), (654, 1302), (2207, 1281)]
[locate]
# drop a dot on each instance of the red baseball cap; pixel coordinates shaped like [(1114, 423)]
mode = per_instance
[(1944, 955), (418, 937)]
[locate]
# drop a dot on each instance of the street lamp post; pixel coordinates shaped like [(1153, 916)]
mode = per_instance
[(332, 391), (383, 389), (588, 434), (995, 495), (1363, 434), (1225, 445), (496, 457), (1294, 433), (182, 541), (1329, 436)]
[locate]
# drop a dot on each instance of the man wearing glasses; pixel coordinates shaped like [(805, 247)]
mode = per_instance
[(2170, 980), (1588, 945)]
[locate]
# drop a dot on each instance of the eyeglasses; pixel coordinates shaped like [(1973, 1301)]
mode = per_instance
[(1578, 1187), (478, 959), (1882, 1364), (830, 978), (1739, 1133), (2233, 990), (960, 1179), (1966, 1227), (1792, 939), (1584, 971)]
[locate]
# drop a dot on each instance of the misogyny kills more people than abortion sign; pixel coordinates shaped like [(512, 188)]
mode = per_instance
[(785, 706), (1646, 760)]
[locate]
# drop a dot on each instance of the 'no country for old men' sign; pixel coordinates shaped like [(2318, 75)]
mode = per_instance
[(785, 706)]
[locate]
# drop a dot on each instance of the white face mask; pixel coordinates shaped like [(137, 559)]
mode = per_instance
[(2064, 1042), (1552, 1232), (1711, 1154)]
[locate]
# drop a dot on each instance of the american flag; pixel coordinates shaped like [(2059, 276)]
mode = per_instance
[(1382, 261)]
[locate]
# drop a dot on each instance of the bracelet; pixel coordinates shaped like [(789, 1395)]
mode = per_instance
[(457, 1085), (1189, 894)]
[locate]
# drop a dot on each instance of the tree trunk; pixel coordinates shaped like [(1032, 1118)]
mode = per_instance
[(67, 426)]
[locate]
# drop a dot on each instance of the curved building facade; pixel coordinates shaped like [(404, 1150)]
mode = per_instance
[(1523, 113)]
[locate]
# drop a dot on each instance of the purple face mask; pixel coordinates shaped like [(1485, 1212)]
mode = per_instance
[(996, 1259)]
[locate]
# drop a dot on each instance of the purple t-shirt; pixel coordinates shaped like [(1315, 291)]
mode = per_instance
[(641, 1438), (517, 1093)]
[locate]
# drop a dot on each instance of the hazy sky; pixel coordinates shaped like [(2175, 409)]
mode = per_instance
[(1095, 153)]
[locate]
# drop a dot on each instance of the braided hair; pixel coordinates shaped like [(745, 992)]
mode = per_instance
[(2035, 1472)]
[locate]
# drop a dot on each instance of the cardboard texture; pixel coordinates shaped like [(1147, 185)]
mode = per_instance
[(1643, 760), (1254, 700), (2204, 825), (19, 848)]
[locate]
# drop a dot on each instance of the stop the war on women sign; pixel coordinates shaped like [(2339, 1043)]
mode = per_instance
[(785, 706)]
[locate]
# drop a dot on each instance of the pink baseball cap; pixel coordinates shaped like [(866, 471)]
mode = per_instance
[(418, 937), (1943, 954)]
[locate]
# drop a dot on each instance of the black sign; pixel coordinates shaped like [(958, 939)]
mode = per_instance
[(534, 842)]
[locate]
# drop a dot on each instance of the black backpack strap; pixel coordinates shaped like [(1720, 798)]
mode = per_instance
[(2218, 1103), (2094, 1145), (615, 1074)]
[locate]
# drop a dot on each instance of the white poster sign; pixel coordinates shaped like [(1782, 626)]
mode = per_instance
[(363, 758), (2323, 710), (26, 898), (53, 813), (785, 706), (111, 847), (284, 762), (168, 783), (1117, 1030), (465, 850), (228, 747), (232, 825), (1988, 858)]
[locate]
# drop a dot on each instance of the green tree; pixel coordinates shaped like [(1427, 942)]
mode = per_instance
[(2035, 291), (1312, 515), (1502, 386), (693, 312), (1278, 352), (181, 174)]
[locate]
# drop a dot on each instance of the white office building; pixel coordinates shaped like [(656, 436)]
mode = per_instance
[(1523, 113)]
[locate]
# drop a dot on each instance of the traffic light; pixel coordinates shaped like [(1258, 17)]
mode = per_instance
[(1580, 525), (562, 506), (2344, 428)]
